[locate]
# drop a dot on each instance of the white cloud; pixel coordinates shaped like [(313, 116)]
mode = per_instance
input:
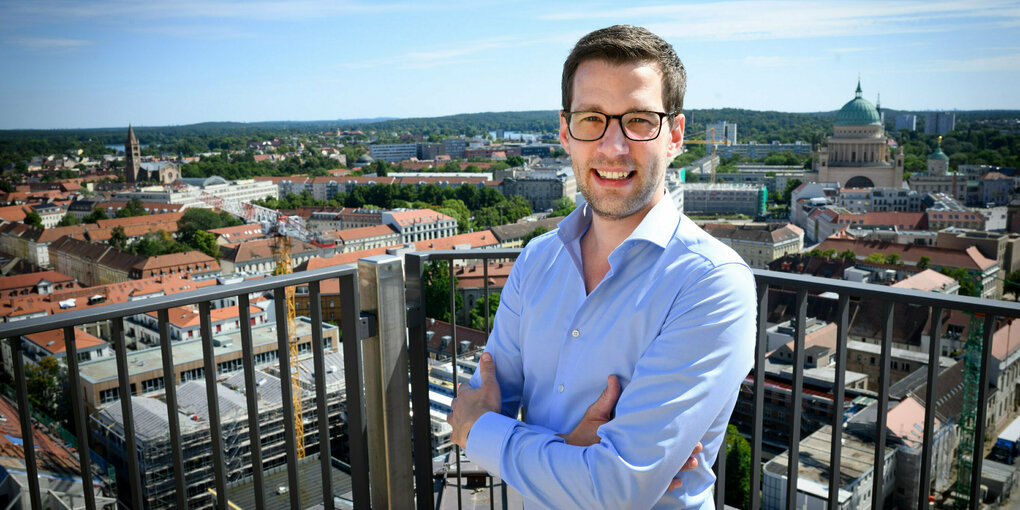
[(1008, 63), (47, 42), (750, 20)]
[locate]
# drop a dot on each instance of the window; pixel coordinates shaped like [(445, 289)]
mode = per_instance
[(110, 395), (154, 384)]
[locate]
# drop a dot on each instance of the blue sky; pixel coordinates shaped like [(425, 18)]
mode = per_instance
[(107, 63)]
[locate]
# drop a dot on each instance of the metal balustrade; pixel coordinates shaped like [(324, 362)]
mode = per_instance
[(390, 455)]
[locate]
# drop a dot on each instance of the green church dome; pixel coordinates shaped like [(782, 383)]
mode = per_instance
[(938, 154), (858, 112)]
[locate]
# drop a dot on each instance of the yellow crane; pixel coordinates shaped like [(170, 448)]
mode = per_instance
[(285, 228), (285, 265)]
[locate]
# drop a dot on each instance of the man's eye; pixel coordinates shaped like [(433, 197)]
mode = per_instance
[(639, 120), (590, 118)]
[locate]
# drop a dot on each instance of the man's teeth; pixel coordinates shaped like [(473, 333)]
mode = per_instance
[(612, 175)]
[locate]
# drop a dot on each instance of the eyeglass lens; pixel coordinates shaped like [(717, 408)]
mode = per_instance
[(638, 126)]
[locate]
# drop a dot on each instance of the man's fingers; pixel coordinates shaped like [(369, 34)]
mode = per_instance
[(675, 484), (697, 449), (488, 369), (603, 407), (690, 464)]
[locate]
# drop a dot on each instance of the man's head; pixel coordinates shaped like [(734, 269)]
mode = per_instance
[(630, 76), (621, 44)]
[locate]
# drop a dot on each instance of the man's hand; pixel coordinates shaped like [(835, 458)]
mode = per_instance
[(601, 411), (472, 403)]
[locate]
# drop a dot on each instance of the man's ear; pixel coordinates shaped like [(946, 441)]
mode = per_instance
[(676, 136), (564, 134)]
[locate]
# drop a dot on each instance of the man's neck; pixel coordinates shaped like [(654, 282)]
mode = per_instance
[(604, 235)]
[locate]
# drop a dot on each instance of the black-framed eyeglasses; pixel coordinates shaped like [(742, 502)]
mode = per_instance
[(637, 126)]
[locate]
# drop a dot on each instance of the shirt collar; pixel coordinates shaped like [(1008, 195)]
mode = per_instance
[(657, 227)]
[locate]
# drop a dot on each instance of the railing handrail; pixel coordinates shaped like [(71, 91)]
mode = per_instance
[(130, 308), (894, 294)]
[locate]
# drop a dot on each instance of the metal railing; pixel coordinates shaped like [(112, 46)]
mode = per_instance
[(390, 452)]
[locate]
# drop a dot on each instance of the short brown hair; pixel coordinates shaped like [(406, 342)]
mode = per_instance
[(620, 44)]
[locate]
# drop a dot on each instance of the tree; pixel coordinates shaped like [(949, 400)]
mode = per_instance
[(206, 243), (924, 262), (478, 312), (893, 259), (875, 258), (69, 220), (968, 287), (134, 207), (848, 255), (515, 161), (738, 469), (194, 220), (791, 185), (32, 218), (1012, 284), (515, 208), (97, 214), (456, 209), (46, 387), (437, 290), (564, 206), (118, 239)]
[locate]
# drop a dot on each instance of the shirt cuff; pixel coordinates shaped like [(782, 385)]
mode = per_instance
[(486, 439)]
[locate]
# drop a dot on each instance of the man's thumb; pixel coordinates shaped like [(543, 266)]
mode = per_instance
[(488, 369), (607, 400)]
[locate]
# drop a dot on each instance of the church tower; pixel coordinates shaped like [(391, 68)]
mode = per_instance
[(132, 157)]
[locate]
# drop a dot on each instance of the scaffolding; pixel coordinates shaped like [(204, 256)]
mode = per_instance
[(968, 415)]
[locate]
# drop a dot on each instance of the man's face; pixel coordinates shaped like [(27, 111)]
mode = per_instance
[(617, 176)]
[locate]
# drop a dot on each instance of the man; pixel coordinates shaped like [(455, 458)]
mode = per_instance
[(628, 291)]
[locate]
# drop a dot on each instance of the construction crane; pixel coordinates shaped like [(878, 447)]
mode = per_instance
[(283, 228)]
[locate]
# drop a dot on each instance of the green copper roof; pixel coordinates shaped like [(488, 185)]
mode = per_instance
[(938, 154), (858, 112)]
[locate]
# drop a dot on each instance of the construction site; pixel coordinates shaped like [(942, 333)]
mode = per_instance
[(152, 430)]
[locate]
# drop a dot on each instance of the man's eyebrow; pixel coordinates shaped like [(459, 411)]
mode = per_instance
[(596, 108)]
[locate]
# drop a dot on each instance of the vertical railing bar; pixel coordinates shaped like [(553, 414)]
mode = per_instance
[(793, 459), (27, 431), (882, 408), (78, 410), (485, 292), (934, 349), (758, 404), (319, 362), (170, 397), (130, 443), (213, 398), (350, 316), (720, 473), (982, 412), (287, 390), (252, 398), (453, 336), (422, 424), (842, 331)]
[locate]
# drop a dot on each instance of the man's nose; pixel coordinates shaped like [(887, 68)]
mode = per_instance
[(613, 142)]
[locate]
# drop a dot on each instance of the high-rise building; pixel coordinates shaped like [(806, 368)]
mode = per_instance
[(939, 123), (906, 122), (722, 132)]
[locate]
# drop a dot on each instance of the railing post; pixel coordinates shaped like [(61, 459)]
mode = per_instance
[(381, 287), (417, 349)]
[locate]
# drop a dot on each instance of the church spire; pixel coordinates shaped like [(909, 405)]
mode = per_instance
[(858, 86)]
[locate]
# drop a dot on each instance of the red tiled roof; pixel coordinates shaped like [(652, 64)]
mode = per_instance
[(350, 234), (478, 239), (52, 341), (31, 279), (407, 218), (970, 258)]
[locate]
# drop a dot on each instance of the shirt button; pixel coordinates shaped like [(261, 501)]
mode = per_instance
[(560, 388), (575, 333)]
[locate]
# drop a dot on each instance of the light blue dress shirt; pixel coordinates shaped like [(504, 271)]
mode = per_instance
[(674, 319)]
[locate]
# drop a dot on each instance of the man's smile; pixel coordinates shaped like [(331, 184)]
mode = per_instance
[(614, 175)]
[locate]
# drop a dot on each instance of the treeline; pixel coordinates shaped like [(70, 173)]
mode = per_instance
[(473, 208), (244, 166)]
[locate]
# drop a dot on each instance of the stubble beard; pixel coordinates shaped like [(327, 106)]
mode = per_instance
[(615, 206)]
